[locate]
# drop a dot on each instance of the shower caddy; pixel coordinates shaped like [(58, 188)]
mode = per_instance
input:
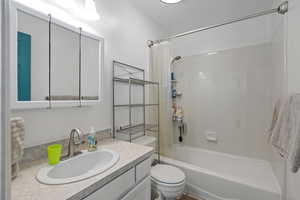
[(131, 76)]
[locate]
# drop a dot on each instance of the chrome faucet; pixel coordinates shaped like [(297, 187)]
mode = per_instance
[(74, 144)]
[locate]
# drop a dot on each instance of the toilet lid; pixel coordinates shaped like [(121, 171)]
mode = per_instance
[(167, 174)]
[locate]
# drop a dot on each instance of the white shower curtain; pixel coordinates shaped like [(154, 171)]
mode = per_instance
[(160, 59)]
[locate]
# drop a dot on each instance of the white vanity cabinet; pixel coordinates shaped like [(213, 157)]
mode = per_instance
[(141, 192), (133, 184)]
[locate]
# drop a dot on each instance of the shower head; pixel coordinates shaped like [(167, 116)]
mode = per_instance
[(175, 59)]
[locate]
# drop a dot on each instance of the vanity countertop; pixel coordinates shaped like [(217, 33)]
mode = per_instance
[(26, 187)]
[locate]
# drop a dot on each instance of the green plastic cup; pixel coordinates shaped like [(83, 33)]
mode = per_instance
[(54, 153)]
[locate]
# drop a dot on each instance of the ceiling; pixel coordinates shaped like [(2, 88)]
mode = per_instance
[(191, 14)]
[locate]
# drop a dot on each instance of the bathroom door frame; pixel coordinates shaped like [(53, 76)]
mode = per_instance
[(5, 175)]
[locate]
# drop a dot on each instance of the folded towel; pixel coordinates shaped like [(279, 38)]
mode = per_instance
[(17, 138), (285, 130), (295, 134), (275, 117)]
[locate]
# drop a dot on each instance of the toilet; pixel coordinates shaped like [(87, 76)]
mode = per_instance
[(168, 181)]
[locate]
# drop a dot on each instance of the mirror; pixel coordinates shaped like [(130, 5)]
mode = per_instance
[(54, 64), (64, 64), (32, 58), (90, 69)]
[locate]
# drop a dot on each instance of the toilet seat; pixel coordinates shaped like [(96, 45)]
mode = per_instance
[(167, 175)]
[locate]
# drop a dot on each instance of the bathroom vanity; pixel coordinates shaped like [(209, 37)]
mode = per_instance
[(128, 179), (135, 180)]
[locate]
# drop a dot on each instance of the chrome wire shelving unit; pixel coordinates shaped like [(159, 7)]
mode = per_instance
[(128, 84)]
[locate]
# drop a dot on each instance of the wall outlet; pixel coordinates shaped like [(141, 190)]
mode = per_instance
[(211, 136)]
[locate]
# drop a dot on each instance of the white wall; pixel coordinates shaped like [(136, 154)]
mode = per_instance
[(245, 33), (126, 32), (1, 162), (5, 140), (290, 36), (292, 29), (279, 83), (293, 180), (293, 46)]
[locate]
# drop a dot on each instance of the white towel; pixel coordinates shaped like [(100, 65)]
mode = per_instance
[(17, 138), (285, 130)]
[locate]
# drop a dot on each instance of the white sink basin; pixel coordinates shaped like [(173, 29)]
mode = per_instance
[(78, 168)]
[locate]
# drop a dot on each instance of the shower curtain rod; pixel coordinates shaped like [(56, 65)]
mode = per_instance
[(281, 9)]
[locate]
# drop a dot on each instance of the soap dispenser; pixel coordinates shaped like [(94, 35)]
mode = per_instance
[(92, 142)]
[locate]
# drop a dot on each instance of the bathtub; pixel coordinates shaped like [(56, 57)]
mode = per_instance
[(219, 176)]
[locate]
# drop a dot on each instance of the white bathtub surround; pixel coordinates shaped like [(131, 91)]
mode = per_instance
[(227, 97), (26, 187), (228, 93), (219, 176), (286, 133)]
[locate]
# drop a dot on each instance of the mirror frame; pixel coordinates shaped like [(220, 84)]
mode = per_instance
[(46, 104)]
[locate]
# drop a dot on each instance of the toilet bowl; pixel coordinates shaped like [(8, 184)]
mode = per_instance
[(167, 180)]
